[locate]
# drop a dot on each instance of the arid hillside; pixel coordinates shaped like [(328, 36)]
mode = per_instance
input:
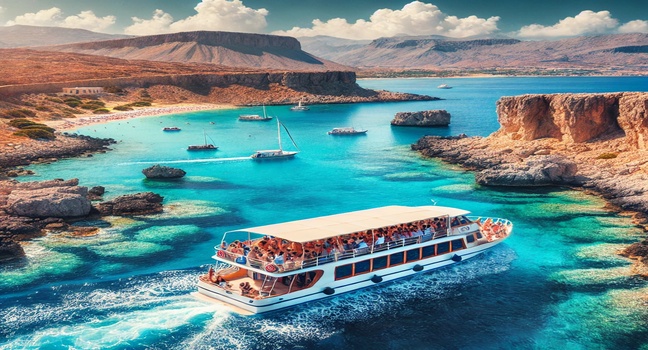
[(222, 48), (28, 36), (607, 53)]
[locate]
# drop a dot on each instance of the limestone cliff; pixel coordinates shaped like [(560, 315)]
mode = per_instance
[(575, 118)]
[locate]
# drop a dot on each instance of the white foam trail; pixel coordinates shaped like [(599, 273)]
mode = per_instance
[(208, 160)]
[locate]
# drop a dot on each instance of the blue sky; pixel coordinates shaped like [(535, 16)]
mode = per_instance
[(353, 19)]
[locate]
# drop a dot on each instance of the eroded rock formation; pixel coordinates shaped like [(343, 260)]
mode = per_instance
[(437, 117), (132, 204)]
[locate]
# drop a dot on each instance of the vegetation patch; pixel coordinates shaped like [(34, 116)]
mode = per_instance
[(123, 108), (18, 113), (607, 156), (32, 129), (101, 111)]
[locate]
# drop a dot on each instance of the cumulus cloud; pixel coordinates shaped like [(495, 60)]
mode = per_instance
[(415, 18), (586, 22), (636, 26), (54, 17), (225, 15)]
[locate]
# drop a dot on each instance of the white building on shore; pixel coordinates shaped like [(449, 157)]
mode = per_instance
[(83, 90)]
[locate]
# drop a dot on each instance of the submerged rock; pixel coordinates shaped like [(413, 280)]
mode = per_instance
[(437, 117), (10, 250), (132, 204), (163, 172)]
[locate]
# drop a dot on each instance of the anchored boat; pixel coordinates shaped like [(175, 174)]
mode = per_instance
[(255, 117), (276, 153), (267, 268), (349, 130)]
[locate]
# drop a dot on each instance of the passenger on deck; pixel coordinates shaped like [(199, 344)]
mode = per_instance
[(361, 244), (380, 239), (279, 259)]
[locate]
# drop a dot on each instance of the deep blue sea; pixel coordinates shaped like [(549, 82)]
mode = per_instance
[(557, 283)]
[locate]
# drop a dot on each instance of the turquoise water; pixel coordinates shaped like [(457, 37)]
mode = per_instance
[(556, 283)]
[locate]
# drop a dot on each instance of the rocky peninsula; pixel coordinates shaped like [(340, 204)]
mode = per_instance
[(594, 142)]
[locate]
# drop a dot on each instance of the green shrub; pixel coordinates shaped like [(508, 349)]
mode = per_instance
[(28, 104), (21, 123), (38, 127), (20, 113), (140, 104), (69, 99), (607, 156), (101, 111), (123, 108), (54, 99), (73, 103), (43, 109), (36, 134), (88, 106)]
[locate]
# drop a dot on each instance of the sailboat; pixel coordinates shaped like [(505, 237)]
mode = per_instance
[(255, 117), (276, 153), (204, 147), (299, 107)]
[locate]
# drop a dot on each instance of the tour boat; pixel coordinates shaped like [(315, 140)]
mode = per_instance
[(171, 128), (255, 117), (329, 255), (276, 153), (204, 147), (444, 86), (299, 107), (346, 131)]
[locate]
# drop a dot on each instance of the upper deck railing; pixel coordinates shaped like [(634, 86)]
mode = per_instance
[(497, 229)]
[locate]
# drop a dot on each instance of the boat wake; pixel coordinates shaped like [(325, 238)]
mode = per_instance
[(159, 309), (204, 160)]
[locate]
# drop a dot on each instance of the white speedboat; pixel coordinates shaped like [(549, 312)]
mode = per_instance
[(276, 153), (299, 107), (329, 255), (349, 130), (444, 86)]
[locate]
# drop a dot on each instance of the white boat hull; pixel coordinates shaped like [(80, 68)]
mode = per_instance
[(317, 291)]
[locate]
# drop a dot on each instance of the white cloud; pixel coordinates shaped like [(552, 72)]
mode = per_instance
[(636, 26), (415, 18), (223, 15), (49, 17), (586, 22), (54, 17)]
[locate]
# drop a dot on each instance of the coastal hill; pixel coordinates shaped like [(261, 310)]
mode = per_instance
[(223, 48), (628, 52), (27, 36)]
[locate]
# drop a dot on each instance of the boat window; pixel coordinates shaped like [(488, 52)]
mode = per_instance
[(443, 248), (470, 238), (414, 254), (362, 267), (428, 251), (396, 259), (457, 244), (479, 235), (380, 263), (343, 271)]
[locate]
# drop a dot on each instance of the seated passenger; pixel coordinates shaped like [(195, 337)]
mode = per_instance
[(361, 244), (279, 259), (380, 239)]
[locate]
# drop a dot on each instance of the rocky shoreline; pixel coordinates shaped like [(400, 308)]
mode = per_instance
[(21, 153), (33, 209), (593, 142)]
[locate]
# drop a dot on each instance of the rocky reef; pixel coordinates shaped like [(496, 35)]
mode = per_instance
[(158, 171), (595, 142), (437, 117), (31, 209)]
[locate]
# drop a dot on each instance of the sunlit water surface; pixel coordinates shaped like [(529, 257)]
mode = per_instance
[(558, 282)]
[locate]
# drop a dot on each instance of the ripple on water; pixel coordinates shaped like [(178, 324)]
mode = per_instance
[(131, 249), (158, 234), (41, 263)]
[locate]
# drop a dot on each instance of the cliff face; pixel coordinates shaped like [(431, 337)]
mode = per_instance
[(575, 118)]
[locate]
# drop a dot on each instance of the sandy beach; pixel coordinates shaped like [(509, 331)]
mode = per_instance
[(90, 119)]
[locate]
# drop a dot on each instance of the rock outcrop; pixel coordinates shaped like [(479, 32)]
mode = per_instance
[(437, 117), (158, 171), (60, 202), (536, 170), (132, 204)]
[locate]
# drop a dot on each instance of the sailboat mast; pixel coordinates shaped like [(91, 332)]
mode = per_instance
[(279, 134)]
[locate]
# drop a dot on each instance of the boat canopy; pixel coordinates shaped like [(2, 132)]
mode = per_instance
[(307, 230)]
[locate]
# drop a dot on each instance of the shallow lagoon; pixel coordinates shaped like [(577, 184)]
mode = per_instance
[(556, 283)]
